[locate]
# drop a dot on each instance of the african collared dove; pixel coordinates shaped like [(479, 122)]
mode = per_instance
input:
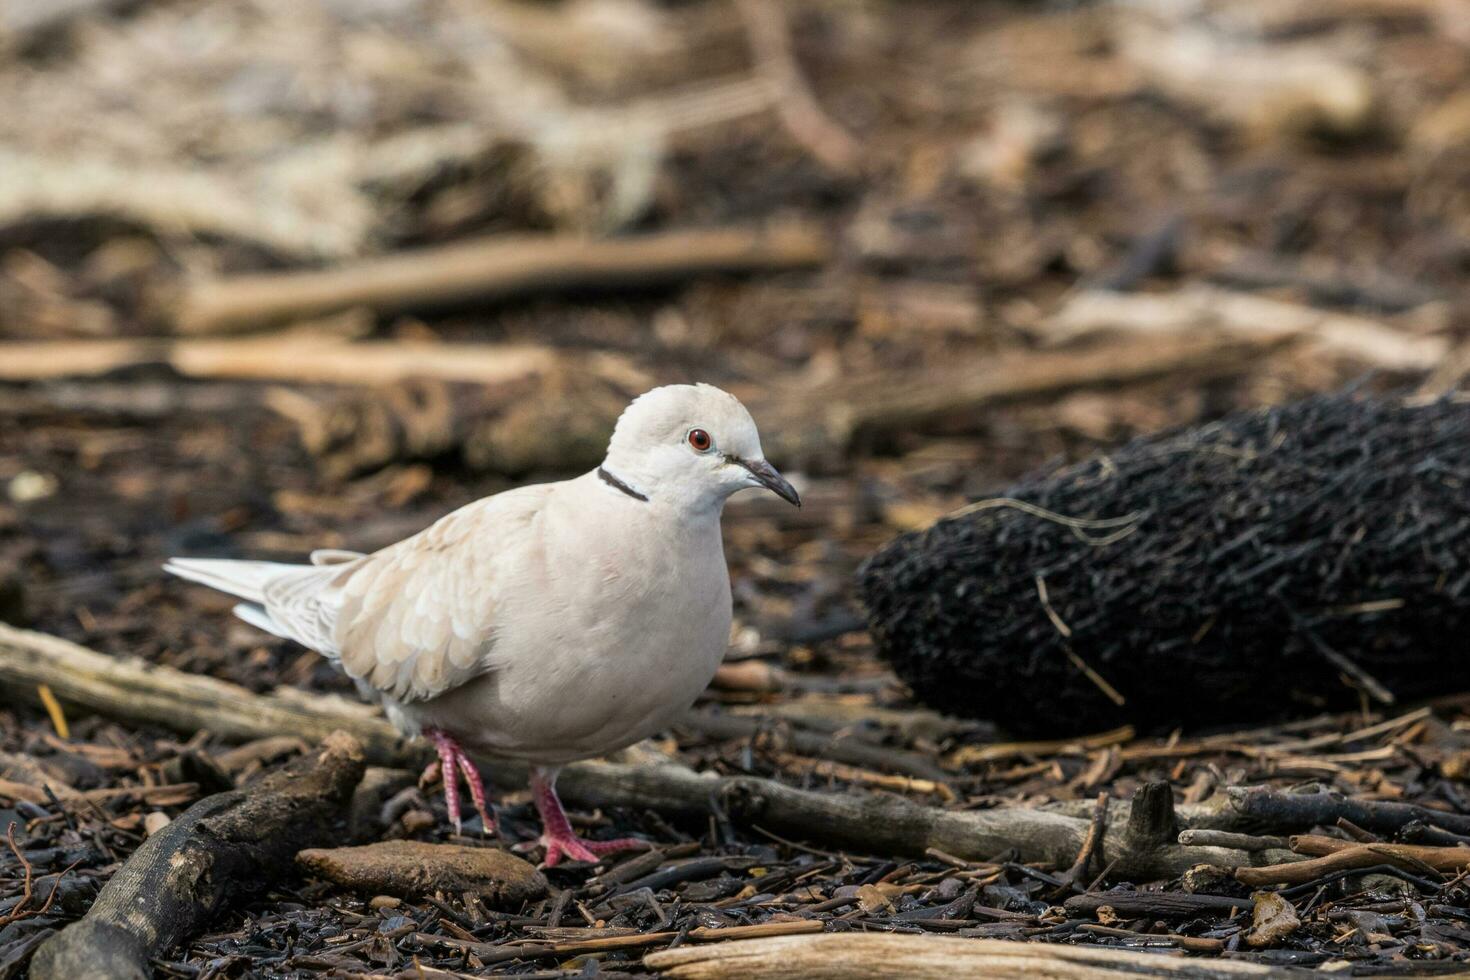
[(547, 623)]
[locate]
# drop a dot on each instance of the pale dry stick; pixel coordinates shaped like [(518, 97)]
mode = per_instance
[(1429, 857), (968, 755), (1195, 944), (311, 360), (167, 795), (497, 267)]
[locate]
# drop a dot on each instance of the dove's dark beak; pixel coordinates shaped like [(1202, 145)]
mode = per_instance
[(767, 476)]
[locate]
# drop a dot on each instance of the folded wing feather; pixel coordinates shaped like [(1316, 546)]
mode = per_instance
[(411, 621), (418, 618)]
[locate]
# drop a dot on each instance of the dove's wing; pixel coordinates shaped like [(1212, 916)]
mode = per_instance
[(419, 617)]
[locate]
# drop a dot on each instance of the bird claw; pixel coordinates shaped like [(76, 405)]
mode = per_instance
[(557, 835), (577, 849), (452, 763)]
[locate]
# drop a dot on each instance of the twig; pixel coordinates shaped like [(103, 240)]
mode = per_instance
[(1348, 856), (1090, 844)]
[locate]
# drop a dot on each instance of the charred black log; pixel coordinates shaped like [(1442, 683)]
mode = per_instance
[(1276, 562)]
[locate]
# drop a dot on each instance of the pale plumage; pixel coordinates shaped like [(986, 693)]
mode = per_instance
[(547, 623)]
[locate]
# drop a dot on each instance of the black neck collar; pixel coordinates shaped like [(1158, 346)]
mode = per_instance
[(617, 484)]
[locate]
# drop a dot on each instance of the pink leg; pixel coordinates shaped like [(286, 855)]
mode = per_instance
[(451, 758), (557, 835)]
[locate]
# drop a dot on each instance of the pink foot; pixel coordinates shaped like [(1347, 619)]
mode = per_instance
[(451, 758), (557, 835)]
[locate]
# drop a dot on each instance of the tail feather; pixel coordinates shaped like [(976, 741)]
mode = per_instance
[(257, 616), (293, 611), (242, 579)]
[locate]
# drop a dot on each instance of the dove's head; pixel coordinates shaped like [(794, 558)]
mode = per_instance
[(689, 445)]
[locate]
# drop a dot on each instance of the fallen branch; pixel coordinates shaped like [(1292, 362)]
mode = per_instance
[(495, 268), (222, 848), (841, 955), (1141, 847)]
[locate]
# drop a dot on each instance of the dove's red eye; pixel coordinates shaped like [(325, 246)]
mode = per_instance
[(700, 440)]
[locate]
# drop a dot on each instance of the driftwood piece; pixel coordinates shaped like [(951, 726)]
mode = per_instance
[(222, 848), (496, 268), (837, 956), (411, 867)]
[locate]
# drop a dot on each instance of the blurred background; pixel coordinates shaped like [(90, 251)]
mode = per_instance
[(286, 274)]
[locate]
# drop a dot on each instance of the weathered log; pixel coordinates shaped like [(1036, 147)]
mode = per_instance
[(223, 848), (837, 956), (495, 268)]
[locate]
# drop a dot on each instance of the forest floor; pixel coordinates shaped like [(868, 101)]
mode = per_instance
[(1019, 184)]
